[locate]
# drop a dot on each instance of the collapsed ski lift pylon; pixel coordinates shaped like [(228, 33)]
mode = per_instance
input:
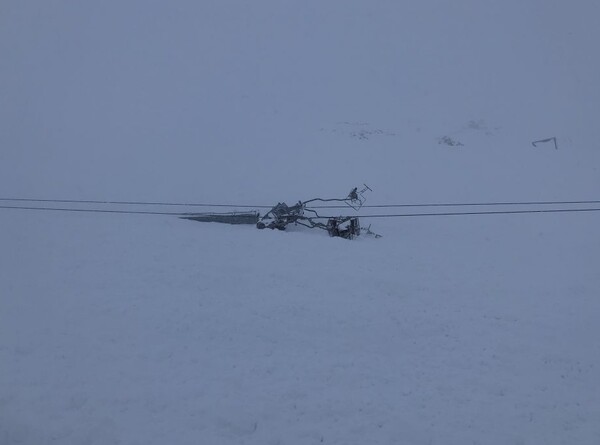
[(301, 213), (348, 227)]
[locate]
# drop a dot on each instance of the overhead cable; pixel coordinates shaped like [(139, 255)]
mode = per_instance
[(190, 204), (56, 209), (499, 212), (81, 201)]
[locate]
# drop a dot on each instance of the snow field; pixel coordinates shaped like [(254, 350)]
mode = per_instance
[(126, 329)]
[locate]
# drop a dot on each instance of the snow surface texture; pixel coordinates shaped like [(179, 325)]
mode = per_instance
[(123, 329)]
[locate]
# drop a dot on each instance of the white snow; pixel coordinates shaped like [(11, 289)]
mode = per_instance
[(139, 329)]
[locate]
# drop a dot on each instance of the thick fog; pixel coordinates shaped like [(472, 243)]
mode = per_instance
[(226, 100)]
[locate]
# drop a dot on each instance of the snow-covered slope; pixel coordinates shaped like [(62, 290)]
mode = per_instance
[(138, 329), (155, 330)]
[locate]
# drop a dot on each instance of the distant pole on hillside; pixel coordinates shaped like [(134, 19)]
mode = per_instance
[(541, 141)]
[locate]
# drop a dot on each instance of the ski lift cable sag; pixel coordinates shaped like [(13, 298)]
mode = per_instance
[(57, 209), (491, 212), (302, 213), (190, 204), (81, 201), (401, 215)]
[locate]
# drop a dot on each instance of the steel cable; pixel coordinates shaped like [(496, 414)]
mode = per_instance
[(133, 212), (190, 204)]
